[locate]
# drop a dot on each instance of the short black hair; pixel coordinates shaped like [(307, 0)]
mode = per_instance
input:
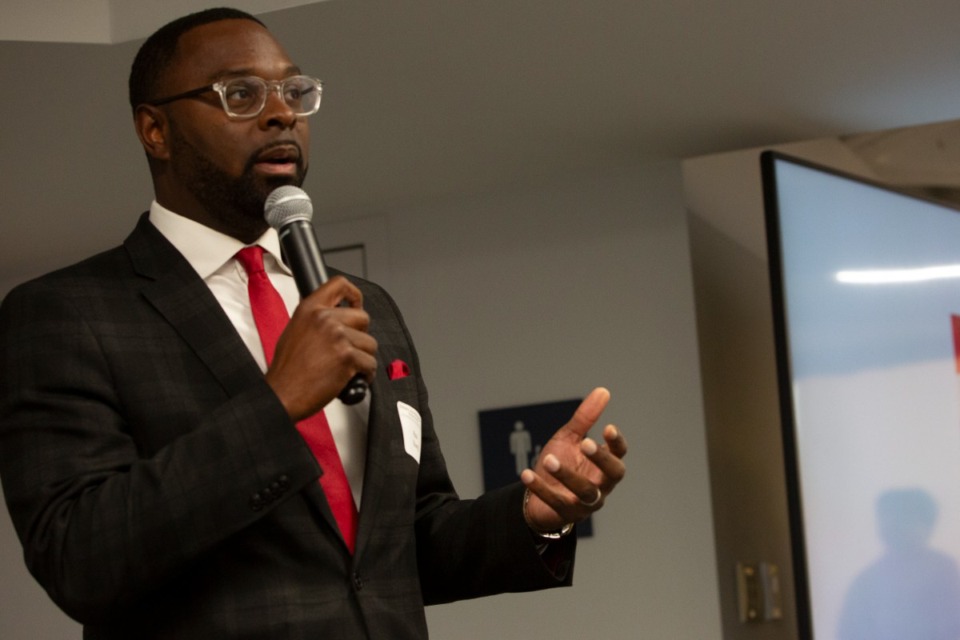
[(157, 52)]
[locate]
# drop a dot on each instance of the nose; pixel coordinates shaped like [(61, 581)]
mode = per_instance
[(276, 112)]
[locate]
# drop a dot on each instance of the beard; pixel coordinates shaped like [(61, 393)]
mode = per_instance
[(235, 202)]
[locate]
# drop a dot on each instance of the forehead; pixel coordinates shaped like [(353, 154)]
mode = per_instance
[(213, 50)]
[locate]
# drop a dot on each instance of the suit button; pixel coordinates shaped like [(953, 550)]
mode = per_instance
[(276, 488), (283, 481), (256, 502), (357, 581)]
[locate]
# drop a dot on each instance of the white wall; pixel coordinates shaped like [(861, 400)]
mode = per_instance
[(539, 295), (56, 20), (69, 154)]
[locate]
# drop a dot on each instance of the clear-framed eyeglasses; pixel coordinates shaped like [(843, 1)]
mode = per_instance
[(245, 97)]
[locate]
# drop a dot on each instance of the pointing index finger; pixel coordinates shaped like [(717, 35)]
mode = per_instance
[(589, 411)]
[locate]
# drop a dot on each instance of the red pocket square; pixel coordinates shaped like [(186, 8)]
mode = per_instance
[(397, 369)]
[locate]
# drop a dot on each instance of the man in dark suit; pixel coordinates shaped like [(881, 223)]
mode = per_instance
[(154, 471)]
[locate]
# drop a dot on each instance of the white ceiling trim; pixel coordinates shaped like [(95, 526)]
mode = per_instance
[(108, 21)]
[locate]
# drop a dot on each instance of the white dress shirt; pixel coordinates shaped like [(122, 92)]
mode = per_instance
[(211, 254)]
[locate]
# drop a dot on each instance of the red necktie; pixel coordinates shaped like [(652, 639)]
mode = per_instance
[(270, 316)]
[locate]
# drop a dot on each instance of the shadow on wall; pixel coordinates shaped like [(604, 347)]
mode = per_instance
[(912, 590)]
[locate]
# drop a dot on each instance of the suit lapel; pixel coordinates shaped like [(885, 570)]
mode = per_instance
[(383, 427), (185, 301)]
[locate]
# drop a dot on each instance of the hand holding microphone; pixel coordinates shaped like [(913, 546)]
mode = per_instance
[(288, 209)]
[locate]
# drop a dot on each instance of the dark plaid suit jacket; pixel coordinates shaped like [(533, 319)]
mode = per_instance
[(160, 490)]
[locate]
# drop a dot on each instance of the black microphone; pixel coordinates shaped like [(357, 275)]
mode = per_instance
[(288, 210)]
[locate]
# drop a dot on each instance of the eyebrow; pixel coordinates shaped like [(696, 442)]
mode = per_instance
[(291, 70)]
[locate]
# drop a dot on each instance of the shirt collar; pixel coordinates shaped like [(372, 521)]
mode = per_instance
[(205, 249)]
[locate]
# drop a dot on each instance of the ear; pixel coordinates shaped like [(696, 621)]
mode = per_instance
[(152, 129)]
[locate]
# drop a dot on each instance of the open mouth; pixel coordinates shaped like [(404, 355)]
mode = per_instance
[(280, 154), (279, 159)]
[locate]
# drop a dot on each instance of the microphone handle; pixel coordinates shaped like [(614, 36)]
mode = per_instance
[(301, 251)]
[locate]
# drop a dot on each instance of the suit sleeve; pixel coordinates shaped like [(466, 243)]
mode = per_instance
[(106, 514)]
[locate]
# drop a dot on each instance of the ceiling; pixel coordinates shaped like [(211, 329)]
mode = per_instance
[(429, 98), (106, 21)]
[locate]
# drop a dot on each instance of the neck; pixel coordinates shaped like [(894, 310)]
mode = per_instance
[(245, 226)]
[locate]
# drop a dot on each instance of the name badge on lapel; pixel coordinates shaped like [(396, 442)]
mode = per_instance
[(410, 424)]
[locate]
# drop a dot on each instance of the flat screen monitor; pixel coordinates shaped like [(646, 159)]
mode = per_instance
[(865, 284)]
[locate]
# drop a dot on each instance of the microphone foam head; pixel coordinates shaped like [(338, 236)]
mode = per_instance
[(286, 204)]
